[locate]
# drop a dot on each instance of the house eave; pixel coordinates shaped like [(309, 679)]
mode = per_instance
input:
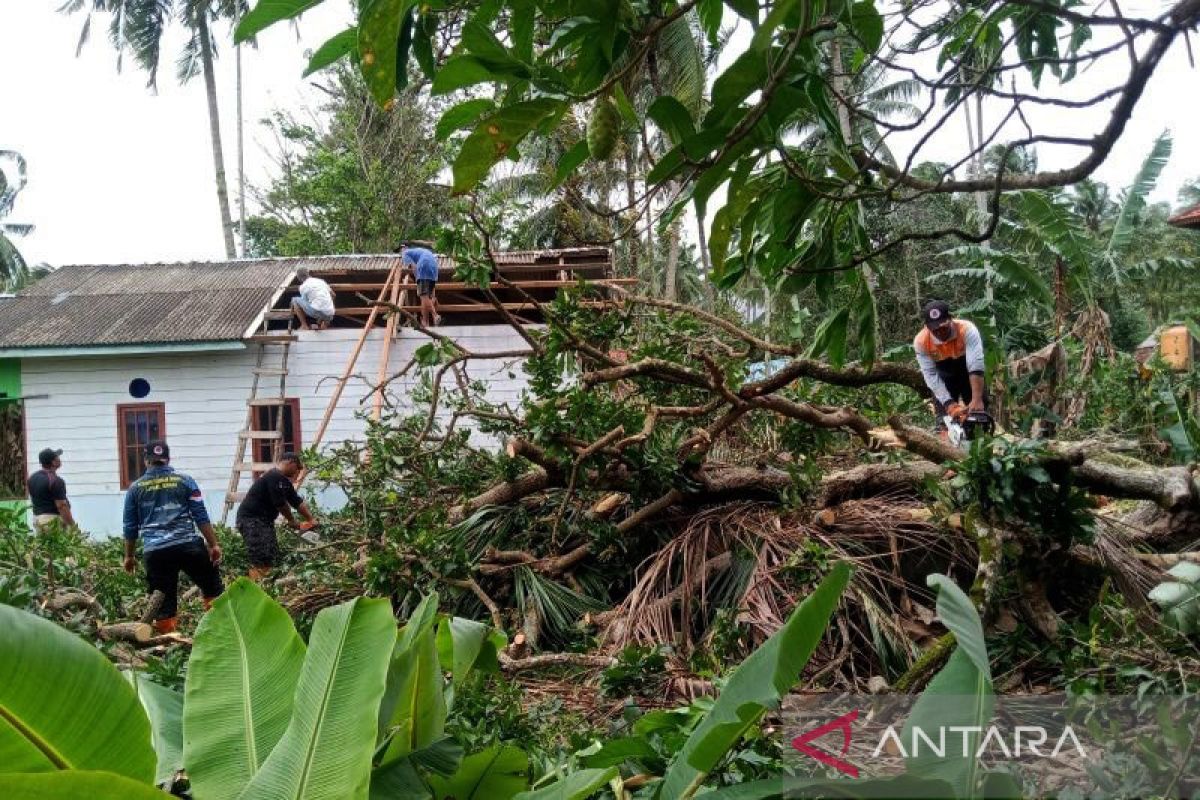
[(141, 348)]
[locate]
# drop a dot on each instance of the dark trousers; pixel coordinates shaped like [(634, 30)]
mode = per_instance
[(164, 565)]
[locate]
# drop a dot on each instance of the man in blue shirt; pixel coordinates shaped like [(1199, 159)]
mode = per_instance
[(424, 265), (164, 508)]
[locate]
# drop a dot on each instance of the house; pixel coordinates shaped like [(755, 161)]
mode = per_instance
[(97, 360), (1187, 218)]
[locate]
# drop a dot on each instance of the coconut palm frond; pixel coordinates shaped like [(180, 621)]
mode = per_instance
[(681, 62), (189, 63), (13, 269), (558, 608), (1135, 196), (144, 26)]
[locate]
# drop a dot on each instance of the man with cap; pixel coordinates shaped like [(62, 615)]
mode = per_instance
[(271, 495), (164, 508), (48, 492), (950, 354)]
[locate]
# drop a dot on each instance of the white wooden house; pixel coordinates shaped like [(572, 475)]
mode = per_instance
[(97, 360)]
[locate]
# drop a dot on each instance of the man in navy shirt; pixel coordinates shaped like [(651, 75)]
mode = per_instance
[(424, 265), (164, 508)]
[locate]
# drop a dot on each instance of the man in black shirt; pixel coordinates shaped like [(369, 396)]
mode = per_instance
[(271, 495), (48, 492)]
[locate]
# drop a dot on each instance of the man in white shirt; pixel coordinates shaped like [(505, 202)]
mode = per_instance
[(315, 301)]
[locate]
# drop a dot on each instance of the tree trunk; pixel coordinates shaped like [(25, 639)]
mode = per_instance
[(671, 274), (214, 126), (710, 294), (631, 236)]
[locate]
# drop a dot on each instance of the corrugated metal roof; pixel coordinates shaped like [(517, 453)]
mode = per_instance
[(1188, 218), (130, 304)]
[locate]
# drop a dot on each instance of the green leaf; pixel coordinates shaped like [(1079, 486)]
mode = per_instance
[(496, 136), (624, 106), (616, 752), (401, 779), (414, 695), (831, 337), (480, 41), (463, 115), (63, 706), (570, 162), (498, 773), (575, 786), (76, 784), (672, 117), (403, 45), (867, 24), (164, 707), (747, 74), (267, 13), (460, 72), (379, 27), (756, 685), (246, 661), (459, 643), (710, 12), (333, 50), (327, 748), (960, 695)]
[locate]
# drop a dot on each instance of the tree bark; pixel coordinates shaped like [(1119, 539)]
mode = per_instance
[(214, 127)]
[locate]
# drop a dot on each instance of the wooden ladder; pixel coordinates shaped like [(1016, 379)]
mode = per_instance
[(271, 343)]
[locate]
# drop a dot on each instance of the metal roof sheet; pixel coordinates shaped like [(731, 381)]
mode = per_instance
[(1188, 218), (130, 304)]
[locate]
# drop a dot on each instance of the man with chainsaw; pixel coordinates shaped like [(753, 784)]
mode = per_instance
[(950, 354)]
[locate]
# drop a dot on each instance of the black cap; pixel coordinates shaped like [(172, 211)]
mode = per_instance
[(157, 451), (935, 312), (47, 456)]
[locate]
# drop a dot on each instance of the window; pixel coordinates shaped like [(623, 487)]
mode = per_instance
[(266, 419), (137, 426)]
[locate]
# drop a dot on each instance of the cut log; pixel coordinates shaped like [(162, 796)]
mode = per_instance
[(555, 660), (134, 632), (63, 600)]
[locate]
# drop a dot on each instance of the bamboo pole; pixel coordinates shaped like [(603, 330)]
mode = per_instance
[(341, 384), (377, 411)]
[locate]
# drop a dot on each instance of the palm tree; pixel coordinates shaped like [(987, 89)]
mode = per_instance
[(13, 268), (139, 25), (1091, 200)]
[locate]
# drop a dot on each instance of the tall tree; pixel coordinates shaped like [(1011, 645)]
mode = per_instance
[(358, 179), (138, 27), (13, 268)]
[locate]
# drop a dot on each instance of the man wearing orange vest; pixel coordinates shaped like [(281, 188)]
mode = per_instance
[(950, 354)]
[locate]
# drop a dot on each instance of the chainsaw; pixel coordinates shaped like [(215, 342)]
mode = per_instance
[(309, 532), (973, 425)]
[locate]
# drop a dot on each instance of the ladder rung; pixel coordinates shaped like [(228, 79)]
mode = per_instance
[(256, 466), (270, 371), (234, 497), (261, 435), (272, 338), (278, 314), (267, 401)]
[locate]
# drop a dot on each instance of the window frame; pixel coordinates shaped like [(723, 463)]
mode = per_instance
[(123, 446), (293, 404)]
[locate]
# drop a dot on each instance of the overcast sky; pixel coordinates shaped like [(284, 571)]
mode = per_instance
[(120, 174)]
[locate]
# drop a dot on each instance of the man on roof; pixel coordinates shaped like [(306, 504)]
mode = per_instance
[(950, 354), (424, 266), (313, 306)]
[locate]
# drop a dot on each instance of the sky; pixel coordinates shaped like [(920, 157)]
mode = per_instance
[(118, 173)]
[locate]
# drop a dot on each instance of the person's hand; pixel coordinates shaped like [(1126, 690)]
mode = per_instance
[(130, 564), (956, 411), (308, 525), (975, 406), (214, 554)]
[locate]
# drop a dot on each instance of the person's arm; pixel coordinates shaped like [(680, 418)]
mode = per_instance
[(279, 491), (975, 367), (932, 379), (199, 514), (305, 512), (130, 531), (58, 492)]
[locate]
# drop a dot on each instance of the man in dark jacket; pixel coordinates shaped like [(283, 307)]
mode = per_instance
[(271, 495), (48, 492), (164, 508)]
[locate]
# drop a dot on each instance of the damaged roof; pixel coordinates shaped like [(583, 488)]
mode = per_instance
[(1187, 218), (186, 303)]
